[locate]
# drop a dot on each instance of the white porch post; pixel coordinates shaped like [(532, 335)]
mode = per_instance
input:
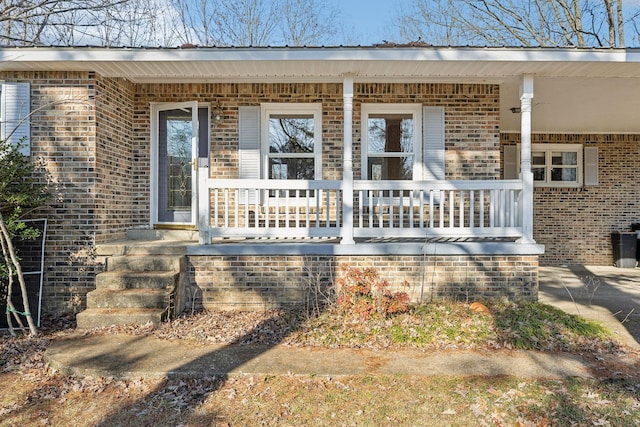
[(526, 97), (347, 166), (203, 206)]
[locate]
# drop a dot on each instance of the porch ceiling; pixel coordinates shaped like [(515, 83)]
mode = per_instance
[(569, 81)]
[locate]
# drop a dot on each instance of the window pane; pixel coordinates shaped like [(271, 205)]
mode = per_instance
[(538, 174), (564, 174), (399, 168), (291, 134), (564, 158), (390, 133), (288, 168), (538, 159)]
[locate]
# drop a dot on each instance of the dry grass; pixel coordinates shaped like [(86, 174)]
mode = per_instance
[(34, 395)]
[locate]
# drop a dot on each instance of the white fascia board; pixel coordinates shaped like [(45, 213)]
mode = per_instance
[(317, 64), (97, 54)]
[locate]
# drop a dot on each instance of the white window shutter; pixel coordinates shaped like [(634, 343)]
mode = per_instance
[(510, 162), (15, 107), (249, 146), (591, 166), (433, 140)]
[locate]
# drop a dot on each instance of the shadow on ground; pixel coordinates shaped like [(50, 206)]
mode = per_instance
[(607, 294)]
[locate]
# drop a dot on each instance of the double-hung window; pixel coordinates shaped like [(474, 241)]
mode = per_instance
[(557, 165), (391, 142), (292, 142)]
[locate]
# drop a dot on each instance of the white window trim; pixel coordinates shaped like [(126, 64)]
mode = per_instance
[(416, 111), (547, 149), (315, 109)]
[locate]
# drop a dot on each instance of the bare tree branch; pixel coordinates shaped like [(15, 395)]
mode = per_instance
[(518, 22)]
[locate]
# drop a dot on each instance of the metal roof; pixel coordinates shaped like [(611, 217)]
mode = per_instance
[(325, 64)]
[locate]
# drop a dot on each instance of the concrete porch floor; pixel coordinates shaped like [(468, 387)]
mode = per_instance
[(608, 294)]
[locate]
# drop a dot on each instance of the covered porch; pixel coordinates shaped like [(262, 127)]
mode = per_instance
[(351, 210)]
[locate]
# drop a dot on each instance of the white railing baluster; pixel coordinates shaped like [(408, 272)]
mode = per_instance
[(411, 212), (318, 210), (360, 208), (215, 206), (461, 219), (401, 209), (277, 209), (226, 203), (486, 208), (328, 210), (472, 211), (503, 203), (452, 206), (482, 208), (492, 208), (370, 193), (431, 211), (443, 200), (256, 207), (246, 208), (307, 209)]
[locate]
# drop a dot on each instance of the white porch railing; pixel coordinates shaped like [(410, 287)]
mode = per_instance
[(236, 208), (268, 208), (408, 209)]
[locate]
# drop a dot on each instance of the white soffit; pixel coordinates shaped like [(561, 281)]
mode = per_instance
[(576, 105), (325, 64)]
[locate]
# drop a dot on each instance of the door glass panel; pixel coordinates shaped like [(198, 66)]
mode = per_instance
[(174, 166)]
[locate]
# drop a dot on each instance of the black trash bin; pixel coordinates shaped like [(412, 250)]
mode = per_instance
[(624, 249), (636, 228)]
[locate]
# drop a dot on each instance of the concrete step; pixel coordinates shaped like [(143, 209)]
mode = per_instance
[(146, 263), (144, 247), (102, 317), (128, 298), (185, 235), (137, 280)]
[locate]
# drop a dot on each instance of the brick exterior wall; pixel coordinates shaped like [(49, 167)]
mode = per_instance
[(272, 281), (575, 224), (114, 168), (472, 120), (81, 133), (93, 135), (63, 139)]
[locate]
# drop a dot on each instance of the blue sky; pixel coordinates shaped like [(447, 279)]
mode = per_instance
[(368, 21)]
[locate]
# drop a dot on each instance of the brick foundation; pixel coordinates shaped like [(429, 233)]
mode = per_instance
[(272, 281)]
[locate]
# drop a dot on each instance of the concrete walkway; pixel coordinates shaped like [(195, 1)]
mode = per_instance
[(124, 356), (609, 295)]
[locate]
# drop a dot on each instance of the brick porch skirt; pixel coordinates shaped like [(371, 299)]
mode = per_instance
[(260, 282)]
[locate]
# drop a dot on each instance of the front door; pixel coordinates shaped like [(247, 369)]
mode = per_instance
[(174, 195)]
